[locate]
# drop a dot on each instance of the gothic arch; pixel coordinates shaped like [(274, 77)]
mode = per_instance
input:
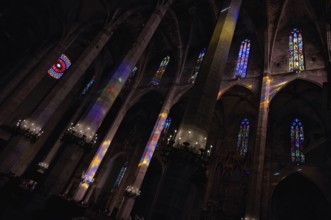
[(297, 197), (298, 99)]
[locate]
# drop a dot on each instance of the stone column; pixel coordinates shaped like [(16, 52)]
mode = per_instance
[(134, 189), (93, 118), (59, 93), (103, 148), (18, 96), (20, 151), (253, 206), (23, 72), (195, 123)]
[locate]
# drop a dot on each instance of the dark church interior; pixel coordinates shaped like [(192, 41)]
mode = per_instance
[(165, 110)]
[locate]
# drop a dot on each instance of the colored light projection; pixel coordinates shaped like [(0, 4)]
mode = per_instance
[(153, 139), (159, 73), (198, 64), (242, 143), (265, 94), (242, 62), (296, 59), (88, 177), (121, 175), (62, 64), (297, 141)]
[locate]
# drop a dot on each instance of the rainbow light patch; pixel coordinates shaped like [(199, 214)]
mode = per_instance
[(153, 139), (94, 165)]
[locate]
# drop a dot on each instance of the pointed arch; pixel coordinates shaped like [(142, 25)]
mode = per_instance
[(159, 73)]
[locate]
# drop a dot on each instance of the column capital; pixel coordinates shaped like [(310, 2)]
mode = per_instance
[(132, 191)]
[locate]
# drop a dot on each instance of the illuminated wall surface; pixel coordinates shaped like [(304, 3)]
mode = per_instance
[(62, 64), (152, 142), (241, 67), (159, 73), (296, 60), (243, 134), (297, 141)]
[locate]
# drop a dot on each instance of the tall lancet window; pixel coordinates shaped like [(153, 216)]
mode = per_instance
[(241, 67), (297, 141), (242, 143), (295, 44), (159, 73), (197, 65), (121, 175)]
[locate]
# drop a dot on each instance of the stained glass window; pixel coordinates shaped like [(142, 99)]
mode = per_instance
[(62, 64), (159, 73), (297, 141), (132, 74), (241, 67), (166, 126), (197, 66), (242, 143), (88, 85), (121, 174), (165, 130), (295, 43)]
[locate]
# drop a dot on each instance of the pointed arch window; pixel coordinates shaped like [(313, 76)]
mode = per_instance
[(121, 175), (88, 86), (165, 130), (166, 125), (242, 143), (296, 58), (241, 67), (159, 73), (197, 65), (62, 64), (297, 142), (131, 76)]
